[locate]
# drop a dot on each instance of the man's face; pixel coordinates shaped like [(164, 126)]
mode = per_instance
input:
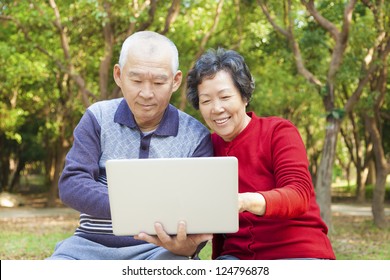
[(147, 84)]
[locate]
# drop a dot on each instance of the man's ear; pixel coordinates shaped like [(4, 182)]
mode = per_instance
[(177, 80), (117, 75)]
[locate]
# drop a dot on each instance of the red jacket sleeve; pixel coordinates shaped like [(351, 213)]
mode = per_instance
[(293, 189)]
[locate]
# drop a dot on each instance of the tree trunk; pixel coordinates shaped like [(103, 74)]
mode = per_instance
[(58, 162), (324, 173), (374, 125), (378, 208), (382, 170), (371, 176), (16, 176), (4, 163), (4, 175), (360, 183)]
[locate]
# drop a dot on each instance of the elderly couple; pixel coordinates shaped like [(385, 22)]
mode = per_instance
[(278, 214)]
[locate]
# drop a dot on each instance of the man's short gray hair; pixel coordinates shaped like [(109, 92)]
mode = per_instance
[(153, 38)]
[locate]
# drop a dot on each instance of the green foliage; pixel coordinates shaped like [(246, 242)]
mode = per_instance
[(40, 102), (337, 113), (11, 120)]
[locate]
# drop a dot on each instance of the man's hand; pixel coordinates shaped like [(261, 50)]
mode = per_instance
[(180, 244)]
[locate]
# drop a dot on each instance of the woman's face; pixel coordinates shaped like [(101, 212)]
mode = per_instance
[(222, 106)]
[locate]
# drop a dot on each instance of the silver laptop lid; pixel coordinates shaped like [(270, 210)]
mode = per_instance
[(203, 192)]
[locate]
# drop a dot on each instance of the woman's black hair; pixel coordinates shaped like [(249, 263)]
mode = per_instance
[(213, 61)]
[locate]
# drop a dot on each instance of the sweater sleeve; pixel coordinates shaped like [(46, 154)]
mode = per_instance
[(205, 147), (294, 189), (79, 187)]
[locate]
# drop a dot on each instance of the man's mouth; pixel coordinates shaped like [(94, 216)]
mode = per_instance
[(146, 105)]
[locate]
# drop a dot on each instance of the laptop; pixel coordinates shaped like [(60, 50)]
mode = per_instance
[(201, 191)]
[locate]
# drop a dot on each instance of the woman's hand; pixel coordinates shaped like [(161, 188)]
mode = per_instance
[(180, 244), (251, 202)]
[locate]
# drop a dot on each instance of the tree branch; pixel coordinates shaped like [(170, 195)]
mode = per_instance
[(276, 27), (3, 17), (239, 24), (172, 15), (326, 24), (289, 34), (373, 67), (78, 79), (136, 13), (341, 41), (64, 39), (152, 12), (340, 37), (104, 67), (202, 46)]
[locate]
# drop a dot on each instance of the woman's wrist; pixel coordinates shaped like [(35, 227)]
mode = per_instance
[(252, 202)]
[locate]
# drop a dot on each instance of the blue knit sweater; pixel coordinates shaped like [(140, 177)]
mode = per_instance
[(108, 131)]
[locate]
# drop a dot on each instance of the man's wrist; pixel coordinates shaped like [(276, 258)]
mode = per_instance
[(194, 256)]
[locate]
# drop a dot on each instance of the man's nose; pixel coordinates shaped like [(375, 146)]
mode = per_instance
[(147, 90)]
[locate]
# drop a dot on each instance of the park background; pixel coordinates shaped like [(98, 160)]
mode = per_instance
[(321, 64)]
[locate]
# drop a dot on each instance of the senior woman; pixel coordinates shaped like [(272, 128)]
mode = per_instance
[(279, 217)]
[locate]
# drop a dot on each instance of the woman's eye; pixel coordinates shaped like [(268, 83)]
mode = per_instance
[(205, 101)]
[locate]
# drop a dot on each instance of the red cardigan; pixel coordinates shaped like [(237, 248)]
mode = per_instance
[(273, 161)]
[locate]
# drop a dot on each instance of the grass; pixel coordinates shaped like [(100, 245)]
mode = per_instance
[(355, 238), (33, 238)]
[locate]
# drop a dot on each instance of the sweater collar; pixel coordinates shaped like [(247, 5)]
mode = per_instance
[(169, 125)]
